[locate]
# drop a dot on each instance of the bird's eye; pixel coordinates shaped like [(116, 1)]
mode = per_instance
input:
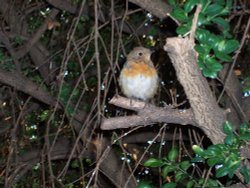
[(140, 53)]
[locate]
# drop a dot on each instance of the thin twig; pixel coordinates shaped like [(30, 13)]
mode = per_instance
[(195, 22), (235, 59), (97, 57)]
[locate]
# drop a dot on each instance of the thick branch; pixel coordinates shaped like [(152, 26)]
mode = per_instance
[(147, 115), (157, 7), (23, 84), (127, 28), (207, 113), (66, 5)]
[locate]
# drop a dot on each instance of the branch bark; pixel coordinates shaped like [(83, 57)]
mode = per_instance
[(207, 113), (157, 7), (21, 83), (147, 115)]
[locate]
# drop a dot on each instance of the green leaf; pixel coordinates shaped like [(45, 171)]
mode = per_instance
[(197, 159), (169, 185), (204, 4), (215, 41), (223, 147), (69, 110), (213, 9), (144, 184), (172, 154), (243, 128), (35, 185), (92, 81), (44, 115), (215, 160), (202, 49), (212, 183), (65, 93), (198, 150), (227, 34), (228, 128), (202, 20), (223, 57), (213, 64), (185, 165), (69, 185), (75, 164), (166, 169), (189, 5), (209, 73), (199, 49), (232, 166), (246, 174), (182, 30), (231, 46), (201, 181), (209, 153), (227, 46), (152, 162), (153, 31), (230, 139), (201, 60), (214, 150), (211, 67), (230, 161), (172, 3), (221, 22), (223, 171), (19, 40), (179, 14), (245, 136), (220, 2), (234, 154), (190, 184), (221, 45), (179, 176), (229, 4), (203, 36)]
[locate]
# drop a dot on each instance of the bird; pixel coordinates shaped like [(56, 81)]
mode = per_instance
[(139, 78)]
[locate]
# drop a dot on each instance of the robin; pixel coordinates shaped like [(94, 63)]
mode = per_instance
[(139, 78)]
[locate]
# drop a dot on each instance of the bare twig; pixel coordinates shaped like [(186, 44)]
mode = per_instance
[(195, 22), (97, 58), (26, 48), (243, 40)]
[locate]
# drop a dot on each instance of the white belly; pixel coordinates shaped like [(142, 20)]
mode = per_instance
[(140, 87)]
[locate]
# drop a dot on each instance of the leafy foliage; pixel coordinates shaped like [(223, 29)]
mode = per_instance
[(180, 170), (224, 157), (5, 62), (213, 47)]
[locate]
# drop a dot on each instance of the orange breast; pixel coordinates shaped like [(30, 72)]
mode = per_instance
[(139, 68)]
